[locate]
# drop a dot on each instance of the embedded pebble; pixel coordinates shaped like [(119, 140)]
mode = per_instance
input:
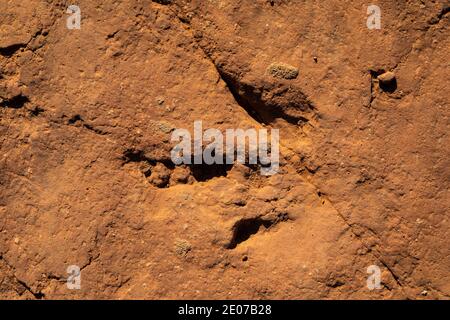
[(386, 78), (283, 70)]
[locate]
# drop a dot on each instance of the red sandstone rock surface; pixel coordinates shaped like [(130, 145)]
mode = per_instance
[(86, 177)]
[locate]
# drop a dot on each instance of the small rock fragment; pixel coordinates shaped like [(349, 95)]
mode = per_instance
[(180, 175), (282, 70), (162, 126), (386, 78), (387, 81), (160, 176), (182, 247), (160, 100), (165, 127)]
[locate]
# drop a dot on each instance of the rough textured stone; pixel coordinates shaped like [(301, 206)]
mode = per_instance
[(387, 77), (282, 70), (85, 171)]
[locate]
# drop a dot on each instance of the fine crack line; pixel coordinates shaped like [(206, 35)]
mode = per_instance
[(37, 295), (10, 50), (434, 21), (375, 253), (227, 79)]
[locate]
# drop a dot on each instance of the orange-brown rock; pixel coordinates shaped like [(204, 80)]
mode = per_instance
[(86, 178)]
